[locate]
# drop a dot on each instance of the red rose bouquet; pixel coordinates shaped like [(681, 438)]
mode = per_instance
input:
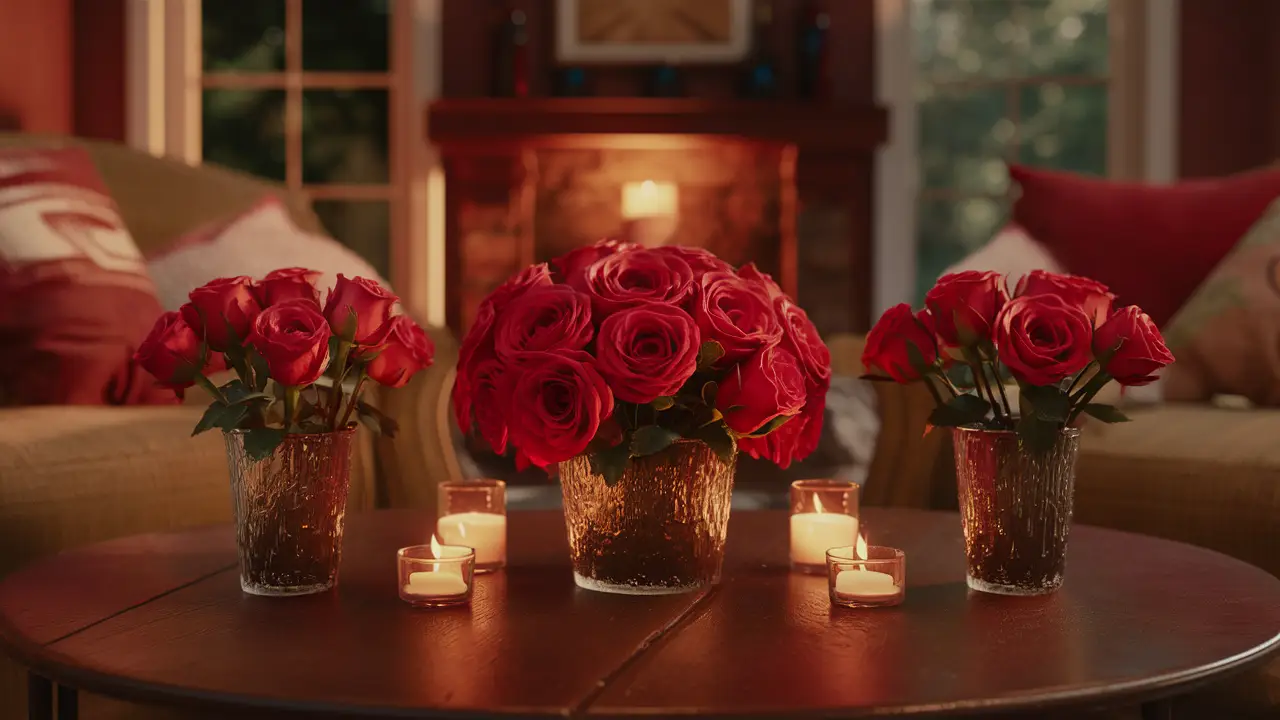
[(281, 342), (1057, 337), (618, 351)]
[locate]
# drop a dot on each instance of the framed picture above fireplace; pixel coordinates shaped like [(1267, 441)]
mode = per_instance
[(652, 31)]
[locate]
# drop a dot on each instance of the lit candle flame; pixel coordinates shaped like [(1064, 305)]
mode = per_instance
[(861, 550), (435, 552), (817, 504)]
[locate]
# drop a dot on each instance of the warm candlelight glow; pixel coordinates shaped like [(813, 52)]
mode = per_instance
[(649, 199), (435, 551), (817, 504), (861, 547)]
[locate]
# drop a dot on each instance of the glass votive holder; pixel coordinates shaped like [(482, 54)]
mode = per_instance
[(824, 514), (878, 580), (473, 513), (435, 575)]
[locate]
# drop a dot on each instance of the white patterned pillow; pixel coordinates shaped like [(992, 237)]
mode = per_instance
[(262, 239), (1011, 252)]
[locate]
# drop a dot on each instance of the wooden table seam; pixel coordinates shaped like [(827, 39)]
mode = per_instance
[(583, 707)]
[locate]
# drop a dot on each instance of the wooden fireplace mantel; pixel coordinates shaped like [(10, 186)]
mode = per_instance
[(455, 122)]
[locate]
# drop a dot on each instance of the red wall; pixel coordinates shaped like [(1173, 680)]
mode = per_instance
[(99, 70), (36, 57)]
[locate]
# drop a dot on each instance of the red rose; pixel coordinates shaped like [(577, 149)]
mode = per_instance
[(369, 301), (1137, 347), (887, 344), (491, 403), (171, 352), (221, 308), (402, 350), (763, 387), (631, 278), (288, 284), (571, 266), (294, 340), (477, 346), (761, 281), (557, 402), (1088, 295), (795, 440), (736, 315), (647, 351), (801, 338), (1042, 339), (700, 260), (546, 318), (968, 300)]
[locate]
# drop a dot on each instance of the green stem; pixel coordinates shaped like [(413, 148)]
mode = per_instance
[(355, 398), (1085, 394), (209, 387), (1004, 397), (980, 378), (946, 382), (937, 397), (291, 394), (335, 393)]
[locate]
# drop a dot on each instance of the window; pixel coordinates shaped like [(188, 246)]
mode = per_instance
[(996, 82), (303, 92)]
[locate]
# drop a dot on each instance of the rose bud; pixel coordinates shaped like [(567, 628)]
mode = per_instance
[(370, 303), (1088, 295), (557, 402), (965, 304), (767, 385), (401, 349), (1135, 345), (731, 312), (171, 352), (293, 338), (888, 343), (222, 311), (546, 318), (647, 351), (288, 284), (1042, 339)]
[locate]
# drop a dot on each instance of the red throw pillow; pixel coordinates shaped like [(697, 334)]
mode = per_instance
[(75, 298), (1151, 244)]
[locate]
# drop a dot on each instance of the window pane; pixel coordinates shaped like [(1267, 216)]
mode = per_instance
[(948, 230), (963, 137), (960, 39), (346, 35), (362, 225), (1065, 127), (345, 136), (1068, 37), (244, 129), (243, 35)]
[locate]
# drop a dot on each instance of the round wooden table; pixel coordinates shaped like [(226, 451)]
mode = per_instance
[(161, 619)]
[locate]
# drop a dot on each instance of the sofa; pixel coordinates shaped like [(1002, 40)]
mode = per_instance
[(73, 475)]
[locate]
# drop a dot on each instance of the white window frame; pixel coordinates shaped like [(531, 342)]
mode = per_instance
[(1142, 124), (164, 86)]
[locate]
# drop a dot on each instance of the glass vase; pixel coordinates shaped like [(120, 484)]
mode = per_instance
[(1015, 505), (659, 530), (288, 510)]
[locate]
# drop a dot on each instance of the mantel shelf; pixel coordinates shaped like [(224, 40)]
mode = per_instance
[(462, 123)]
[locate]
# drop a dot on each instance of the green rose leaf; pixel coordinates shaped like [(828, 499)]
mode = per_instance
[(259, 443), (1105, 413), (709, 353), (220, 415), (1037, 434), (719, 439), (770, 426), (960, 410), (376, 420), (663, 402), (651, 439), (1047, 403), (611, 462), (709, 391)]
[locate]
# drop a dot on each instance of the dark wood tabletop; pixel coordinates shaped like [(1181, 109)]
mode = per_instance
[(161, 619)]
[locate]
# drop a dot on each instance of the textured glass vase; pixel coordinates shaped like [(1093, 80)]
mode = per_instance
[(289, 508), (660, 530), (1015, 505)]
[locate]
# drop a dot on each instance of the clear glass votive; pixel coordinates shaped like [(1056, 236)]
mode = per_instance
[(473, 513), (824, 514), (442, 576), (879, 580)]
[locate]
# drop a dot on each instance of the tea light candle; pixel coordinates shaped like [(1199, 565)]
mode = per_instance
[(866, 577), (435, 575), (862, 583), (435, 584), (485, 532), (814, 533)]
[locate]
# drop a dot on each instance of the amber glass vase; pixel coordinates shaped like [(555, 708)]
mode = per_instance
[(289, 509), (1015, 504), (659, 530)]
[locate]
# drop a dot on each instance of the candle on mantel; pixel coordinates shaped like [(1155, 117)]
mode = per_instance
[(485, 532), (442, 579), (814, 533), (649, 199), (863, 584)]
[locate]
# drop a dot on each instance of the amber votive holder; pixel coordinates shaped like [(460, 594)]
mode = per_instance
[(878, 580), (473, 513), (428, 581), (824, 514)]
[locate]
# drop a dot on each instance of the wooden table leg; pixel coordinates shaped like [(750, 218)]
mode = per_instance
[(68, 703), (39, 697), (1158, 710)]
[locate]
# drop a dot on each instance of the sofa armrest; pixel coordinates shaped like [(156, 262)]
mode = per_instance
[(74, 475), (423, 453)]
